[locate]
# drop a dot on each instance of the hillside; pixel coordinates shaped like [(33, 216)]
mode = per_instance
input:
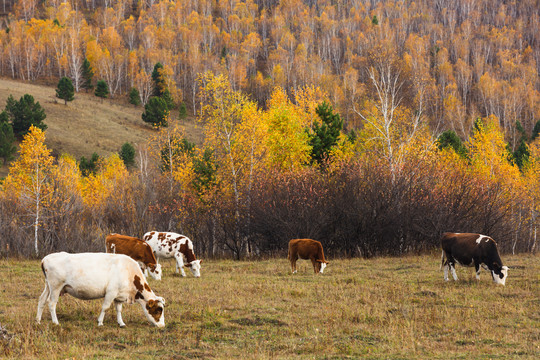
[(86, 125)]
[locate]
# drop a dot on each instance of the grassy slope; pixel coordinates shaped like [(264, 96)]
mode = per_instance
[(86, 125), (379, 308)]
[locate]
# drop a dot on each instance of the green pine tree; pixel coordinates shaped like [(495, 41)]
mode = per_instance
[(88, 167), (156, 112), (127, 154), (87, 74), (324, 136), (65, 90), (159, 82), (7, 139), (449, 139), (134, 96), (102, 90), (24, 113), (522, 154), (536, 130), (182, 111)]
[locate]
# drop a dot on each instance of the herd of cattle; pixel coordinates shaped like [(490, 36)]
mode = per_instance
[(119, 275)]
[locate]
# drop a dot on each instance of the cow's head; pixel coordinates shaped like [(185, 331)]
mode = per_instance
[(154, 311), (155, 271), (322, 264), (195, 267), (499, 273)]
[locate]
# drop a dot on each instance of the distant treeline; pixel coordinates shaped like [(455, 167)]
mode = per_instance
[(456, 60)]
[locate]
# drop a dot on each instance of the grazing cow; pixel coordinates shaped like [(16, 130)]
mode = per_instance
[(472, 249), (168, 244), (307, 249), (115, 277), (136, 249)]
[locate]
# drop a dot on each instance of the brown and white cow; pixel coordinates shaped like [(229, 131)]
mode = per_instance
[(115, 277), (307, 249), (136, 249), (472, 250), (168, 244)]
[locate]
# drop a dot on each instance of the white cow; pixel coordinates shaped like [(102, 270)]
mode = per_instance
[(168, 244), (87, 276)]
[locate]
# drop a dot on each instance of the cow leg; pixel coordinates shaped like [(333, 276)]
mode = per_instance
[(314, 262), (180, 263), (477, 268), (293, 263), (453, 270), (445, 268), (107, 302), (118, 306), (53, 300), (41, 304)]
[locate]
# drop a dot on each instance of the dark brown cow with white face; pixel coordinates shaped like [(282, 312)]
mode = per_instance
[(307, 249), (136, 249), (168, 244), (472, 250)]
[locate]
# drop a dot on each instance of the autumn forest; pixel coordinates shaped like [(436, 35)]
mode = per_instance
[(372, 126)]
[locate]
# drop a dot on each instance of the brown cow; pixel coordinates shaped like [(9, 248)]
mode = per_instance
[(135, 248), (307, 249)]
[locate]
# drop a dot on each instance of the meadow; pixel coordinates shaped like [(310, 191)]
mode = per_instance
[(391, 308)]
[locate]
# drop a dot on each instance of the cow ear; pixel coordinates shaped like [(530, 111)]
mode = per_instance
[(327, 262), (187, 265)]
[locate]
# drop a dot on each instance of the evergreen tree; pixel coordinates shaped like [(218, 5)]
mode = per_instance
[(87, 74), (102, 90), (325, 135), (88, 167), (536, 130), (205, 170), (167, 97), (127, 154), (134, 96), (375, 20), (159, 82), (25, 113), (521, 155), (182, 111), (156, 112), (65, 90), (7, 139), (450, 139)]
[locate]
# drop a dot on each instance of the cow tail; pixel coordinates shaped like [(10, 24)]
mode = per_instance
[(442, 260), (47, 287)]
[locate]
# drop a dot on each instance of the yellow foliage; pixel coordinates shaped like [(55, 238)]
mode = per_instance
[(28, 175), (97, 189), (287, 141)]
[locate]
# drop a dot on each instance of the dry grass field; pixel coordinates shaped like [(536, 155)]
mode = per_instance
[(87, 125), (383, 308)]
